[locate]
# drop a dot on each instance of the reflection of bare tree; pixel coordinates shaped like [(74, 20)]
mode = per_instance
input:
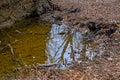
[(89, 49), (64, 46), (56, 43), (60, 44)]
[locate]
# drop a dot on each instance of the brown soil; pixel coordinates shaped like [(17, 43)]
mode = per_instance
[(99, 69), (105, 10), (75, 13), (79, 13), (104, 67)]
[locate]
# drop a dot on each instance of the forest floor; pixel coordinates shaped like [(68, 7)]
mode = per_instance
[(99, 69), (95, 10), (102, 24), (104, 29), (103, 67)]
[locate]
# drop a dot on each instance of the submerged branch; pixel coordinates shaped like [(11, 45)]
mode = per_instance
[(40, 66), (7, 45), (13, 55), (11, 49), (12, 52)]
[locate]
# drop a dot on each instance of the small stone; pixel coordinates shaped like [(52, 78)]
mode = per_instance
[(110, 59), (33, 57)]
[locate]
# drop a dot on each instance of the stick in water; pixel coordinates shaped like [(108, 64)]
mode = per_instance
[(11, 49)]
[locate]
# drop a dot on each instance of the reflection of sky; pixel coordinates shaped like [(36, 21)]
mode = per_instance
[(77, 39), (59, 45)]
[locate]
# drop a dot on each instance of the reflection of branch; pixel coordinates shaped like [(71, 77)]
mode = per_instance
[(56, 52), (60, 47), (83, 52), (64, 49), (63, 52)]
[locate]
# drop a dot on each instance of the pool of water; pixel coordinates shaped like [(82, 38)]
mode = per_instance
[(31, 43), (27, 43)]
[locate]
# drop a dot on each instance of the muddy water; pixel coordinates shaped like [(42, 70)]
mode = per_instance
[(30, 43), (27, 43)]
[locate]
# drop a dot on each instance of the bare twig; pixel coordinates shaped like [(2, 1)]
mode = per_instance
[(0, 42)]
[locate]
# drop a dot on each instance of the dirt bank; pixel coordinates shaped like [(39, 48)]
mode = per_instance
[(15, 10), (95, 10), (70, 11)]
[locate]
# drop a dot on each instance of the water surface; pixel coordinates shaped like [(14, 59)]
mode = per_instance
[(28, 39), (66, 46), (36, 43)]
